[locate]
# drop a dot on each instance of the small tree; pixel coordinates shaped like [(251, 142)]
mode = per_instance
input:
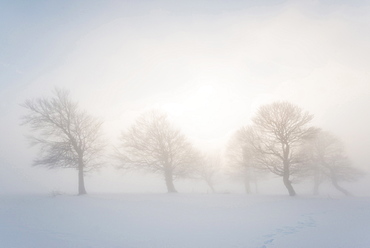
[(282, 128), (326, 160), (153, 144), (208, 167), (242, 157), (67, 136)]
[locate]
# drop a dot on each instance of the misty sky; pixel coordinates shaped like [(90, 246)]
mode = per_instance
[(209, 64)]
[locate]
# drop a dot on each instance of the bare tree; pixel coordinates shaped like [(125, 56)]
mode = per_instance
[(153, 144), (282, 127), (67, 136), (208, 167), (242, 157), (326, 160)]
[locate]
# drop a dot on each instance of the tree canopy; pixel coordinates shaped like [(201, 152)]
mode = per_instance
[(67, 136), (153, 144)]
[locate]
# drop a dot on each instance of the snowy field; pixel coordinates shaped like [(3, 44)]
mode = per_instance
[(183, 220)]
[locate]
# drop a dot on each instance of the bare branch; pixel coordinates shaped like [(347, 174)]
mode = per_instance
[(67, 137), (153, 144), (281, 129)]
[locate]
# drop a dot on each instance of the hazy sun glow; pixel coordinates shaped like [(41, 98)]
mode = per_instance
[(205, 91)]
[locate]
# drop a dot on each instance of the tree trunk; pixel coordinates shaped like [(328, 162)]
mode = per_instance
[(169, 181), (289, 186), (286, 175), (334, 181), (81, 181), (210, 184), (316, 182), (247, 185), (287, 182)]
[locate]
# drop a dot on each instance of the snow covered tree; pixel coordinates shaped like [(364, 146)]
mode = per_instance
[(67, 136), (281, 129), (153, 144)]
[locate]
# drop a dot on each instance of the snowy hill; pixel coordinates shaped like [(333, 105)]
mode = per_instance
[(183, 220)]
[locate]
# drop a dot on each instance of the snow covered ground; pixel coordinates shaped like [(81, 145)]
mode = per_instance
[(183, 220)]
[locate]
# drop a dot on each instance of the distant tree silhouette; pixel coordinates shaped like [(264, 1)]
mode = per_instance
[(326, 161), (67, 136), (153, 144), (242, 157), (208, 167), (281, 129)]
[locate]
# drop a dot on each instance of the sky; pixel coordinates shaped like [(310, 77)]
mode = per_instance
[(209, 64)]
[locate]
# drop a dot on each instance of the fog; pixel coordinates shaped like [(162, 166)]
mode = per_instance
[(208, 64)]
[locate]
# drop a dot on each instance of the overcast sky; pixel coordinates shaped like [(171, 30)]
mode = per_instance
[(209, 64)]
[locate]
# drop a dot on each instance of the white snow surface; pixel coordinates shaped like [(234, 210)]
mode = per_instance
[(183, 221)]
